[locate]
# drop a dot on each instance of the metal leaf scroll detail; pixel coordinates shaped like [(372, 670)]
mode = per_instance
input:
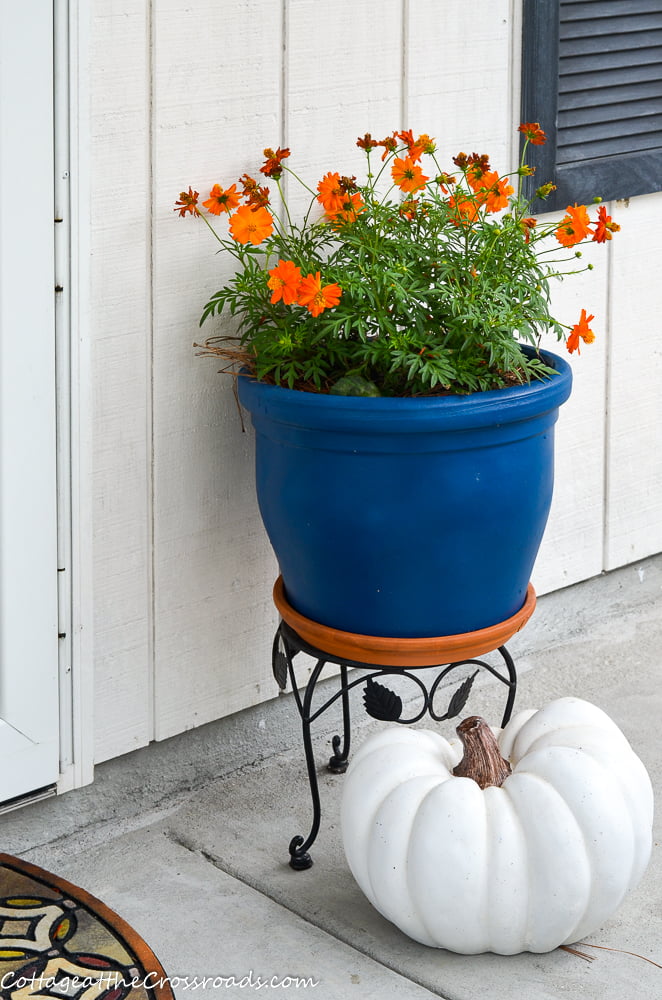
[(280, 669), (381, 703), (460, 698)]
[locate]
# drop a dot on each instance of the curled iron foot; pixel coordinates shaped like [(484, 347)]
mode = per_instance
[(338, 764), (300, 860)]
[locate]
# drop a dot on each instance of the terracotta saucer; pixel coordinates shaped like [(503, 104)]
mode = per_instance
[(393, 652)]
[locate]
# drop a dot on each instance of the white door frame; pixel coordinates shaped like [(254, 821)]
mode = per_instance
[(46, 689), (74, 398)]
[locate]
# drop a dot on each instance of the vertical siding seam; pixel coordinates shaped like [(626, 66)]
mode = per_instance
[(515, 80), (284, 77), (149, 362), (404, 69), (284, 90), (607, 424)]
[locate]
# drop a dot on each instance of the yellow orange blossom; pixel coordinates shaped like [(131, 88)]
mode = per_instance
[(222, 201), (188, 202), (317, 297), (497, 191), (408, 208), (424, 144), (251, 225), (604, 227), (331, 195), (533, 133), (416, 147), (545, 190), (574, 226), (407, 175), (284, 281), (580, 330)]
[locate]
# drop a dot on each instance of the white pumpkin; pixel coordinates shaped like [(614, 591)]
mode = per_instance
[(540, 861)]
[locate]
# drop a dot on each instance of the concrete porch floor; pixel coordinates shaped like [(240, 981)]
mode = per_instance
[(187, 839)]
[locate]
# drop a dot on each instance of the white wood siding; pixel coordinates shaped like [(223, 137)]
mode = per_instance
[(189, 92), (120, 318), (633, 519)]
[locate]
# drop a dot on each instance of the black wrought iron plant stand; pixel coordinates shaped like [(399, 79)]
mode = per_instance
[(380, 702)]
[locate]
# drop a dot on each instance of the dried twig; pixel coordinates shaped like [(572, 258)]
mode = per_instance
[(604, 947), (579, 954), (236, 356)]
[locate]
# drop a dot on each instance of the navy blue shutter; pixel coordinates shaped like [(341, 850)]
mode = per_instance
[(592, 77)]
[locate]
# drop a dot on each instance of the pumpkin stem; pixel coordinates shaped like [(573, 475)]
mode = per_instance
[(482, 759)]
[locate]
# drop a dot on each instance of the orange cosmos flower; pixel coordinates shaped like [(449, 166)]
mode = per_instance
[(352, 206), (390, 144), (407, 175), (533, 133), (222, 201), (476, 169), (580, 330), (331, 194), (604, 227), (445, 181), (367, 142), (284, 281), (527, 225), (466, 209), (574, 226), (253, 193), (496, 191), (317, 297), (272, 166), (188, 202), (251, 225)]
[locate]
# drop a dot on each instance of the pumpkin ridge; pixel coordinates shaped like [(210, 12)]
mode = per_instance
[(389, 882), (450, 832), (563, 768), (508, 925), (559, 866)]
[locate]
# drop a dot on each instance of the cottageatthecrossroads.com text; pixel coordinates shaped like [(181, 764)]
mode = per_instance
[(110, 981)]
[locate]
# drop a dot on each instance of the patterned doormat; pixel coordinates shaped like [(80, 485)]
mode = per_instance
[(57, 941)]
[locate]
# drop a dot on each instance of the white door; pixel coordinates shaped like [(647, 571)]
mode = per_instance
[(29, 754)]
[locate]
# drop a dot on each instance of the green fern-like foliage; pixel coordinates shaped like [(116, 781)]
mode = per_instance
[(433, 286)]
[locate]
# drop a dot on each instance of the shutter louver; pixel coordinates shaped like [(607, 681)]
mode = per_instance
[(610, 78)]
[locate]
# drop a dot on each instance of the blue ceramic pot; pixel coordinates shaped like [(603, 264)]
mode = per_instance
[(406, 517)]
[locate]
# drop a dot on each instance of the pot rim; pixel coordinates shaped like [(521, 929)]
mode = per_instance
[(494, 406)]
